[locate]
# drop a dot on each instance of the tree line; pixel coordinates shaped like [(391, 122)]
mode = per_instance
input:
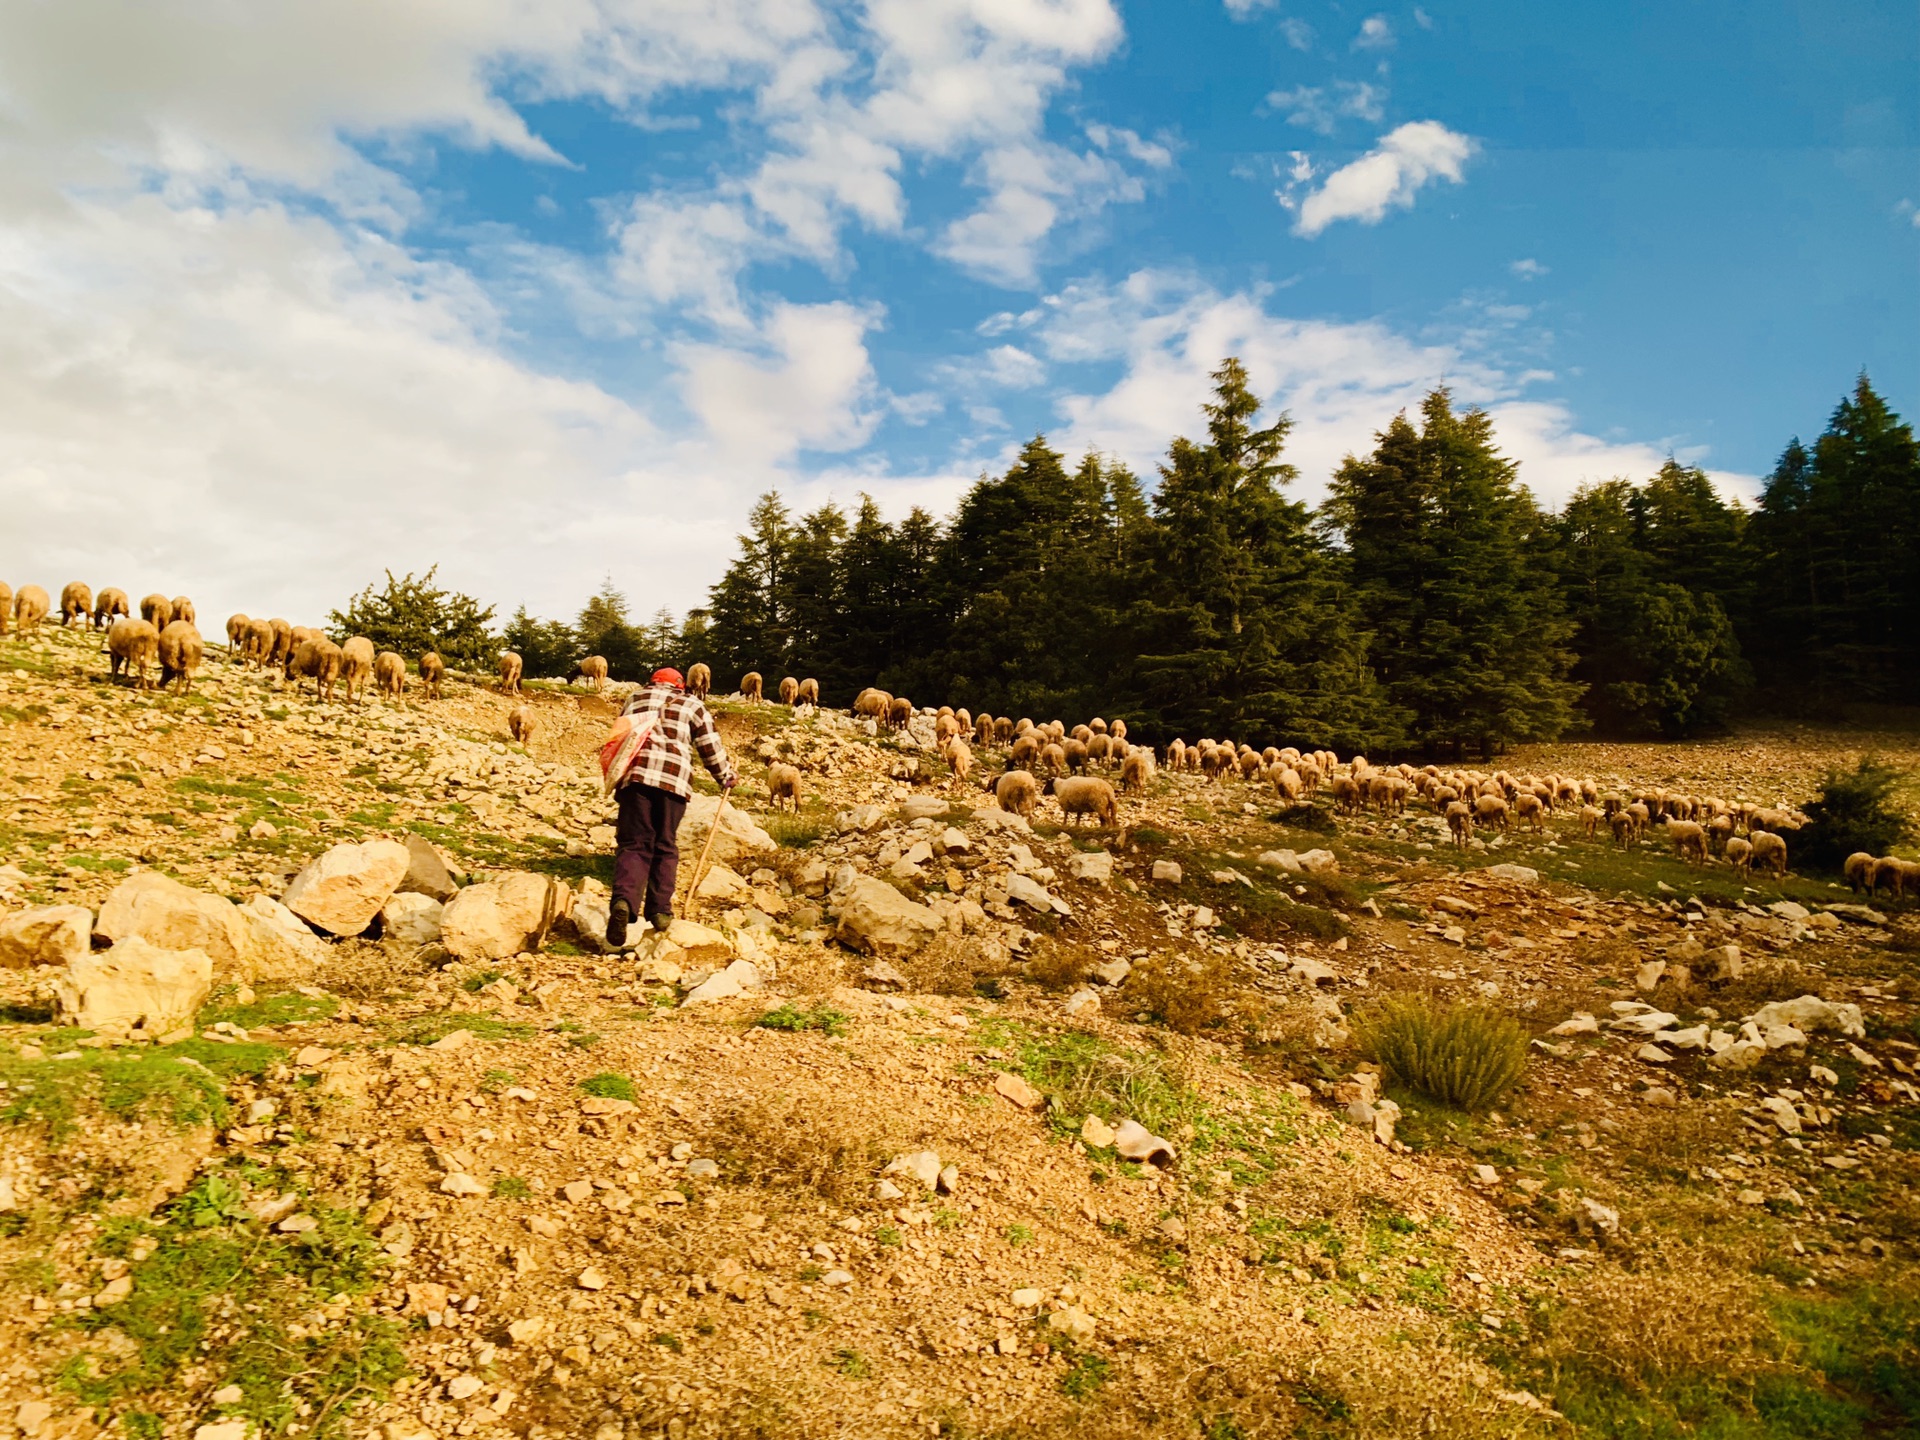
[(1428, 605)]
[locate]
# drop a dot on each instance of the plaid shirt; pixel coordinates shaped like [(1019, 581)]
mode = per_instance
[(681, 724)]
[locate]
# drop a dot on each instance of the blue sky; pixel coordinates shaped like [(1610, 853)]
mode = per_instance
[(548, 293)]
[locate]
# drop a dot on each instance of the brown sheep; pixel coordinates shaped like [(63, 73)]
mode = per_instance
[(183, 610), (1590, 818), (1719, 831), (432, 670), (1076, 753), (511, 666), (259, 643), (316, 659), (110, 605), (356, 666), (983, 731), (132, 646), (1286, 782), (1740, 853), (750, 687), (959, 759), (1097, 725), (30, 607), (1135, 771), (1086, 796), (390, 674), (76, 602), (1176, 754), (899, 712), (593, 670), (237, 628), (1082, 733), (1099, 750), (181, 651), (1859, 871), (1002, 730), (1769, 851), (789, 690), (1026, 750), (1460, 822), (810, 692), (1054, 757), (282, 648), (157, 610), (1490, 811), (1117, 730), (699, 678), (1891, 872), (1023, 726), (521, 724), (1625, 832), (1346, 793), (783, 783), (965, 717), (1216, 762), (871, 704), (1689, 839), (1017, 792), (1529, 810), (1640, 815), (6, 606)]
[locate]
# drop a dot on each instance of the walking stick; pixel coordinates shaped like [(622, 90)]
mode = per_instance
[(700, 870)]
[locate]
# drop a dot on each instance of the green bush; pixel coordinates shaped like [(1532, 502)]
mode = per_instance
[(1855, 811), (1462, 1055), (609, 1086)]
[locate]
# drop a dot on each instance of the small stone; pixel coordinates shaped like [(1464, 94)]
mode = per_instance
[(1012, 1088), (703, 1170), (1096, 1132), (1167, 872), (1026, 1298), (465, 1387), (1072, 1322), (949, 1179), (577, 1190), (462, 1184), (454, 1040), (525, 1332), (1647, 978), (887, 1190), (1135, 1142), (229, 1395), (836, 1278), (1083, 1002), (224, 1430), (591, 1279), (920, 1165)]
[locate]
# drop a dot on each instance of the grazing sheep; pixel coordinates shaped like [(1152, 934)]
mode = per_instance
[(1769, 851), (132, 645), (1176, 754), (871, 704), (1216, 762), (237, 628), (1017, 792), (1135, 771), (1590, 818), (899, 712), (945, 727), (983, 731), (511, 667), (1460, 822), (316, 659), (699, 678), (521, 724), (1057, 729), (1025, 751), (1719, 831), (1082, 733), (783, 783), (1249, 763), (809, 693), (789, 690), (390, 674), (1117, 729), (959, 759), (1625, 832), (256, 646), (965, 718), (157, 610), (1002, 730), (183, 610), (181, 651), (6, 605), (356, 666), (282, 647), (30, 607), (1689, 840), (1099, 750), (76, 602), (593, 670), (1054, 757), (1740, 853), (1490, 811), (1859, 871), (1346, 794), (750, 687), (1086, 796), (432, 670), (1640, 815), (1892, 873), (1076, 755), (1023, 726), (1097, 725), (110, 605)]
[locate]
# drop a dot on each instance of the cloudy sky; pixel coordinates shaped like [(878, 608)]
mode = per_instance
[(547, 290)]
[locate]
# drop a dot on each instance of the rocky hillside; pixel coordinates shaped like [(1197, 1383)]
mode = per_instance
[(327, 1114)]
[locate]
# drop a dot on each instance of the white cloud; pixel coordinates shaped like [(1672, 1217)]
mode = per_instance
[(1297, 33), (1322, 107), (1376, 33), (1422, 18), (1247, 9), (1031, 189), (1527, 269), (680, 250), (1389, 175)]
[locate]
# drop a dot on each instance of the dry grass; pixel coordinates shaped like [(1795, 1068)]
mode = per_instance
[(953, 965), (1059, 964), (362, 970), (1463, 1055), (1185, 993), (774, 1141)]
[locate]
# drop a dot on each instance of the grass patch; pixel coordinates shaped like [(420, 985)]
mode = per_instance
[(425, 1029), (512, 1187), (1081, 1074), (1086, 1377), (1463, 1055), (852, 1364), (287, 1008), (792, 1018), (185, 1084), (609, 1086)]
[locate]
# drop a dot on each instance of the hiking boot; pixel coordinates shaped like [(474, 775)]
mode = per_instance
[(660, 921), (619, 916)]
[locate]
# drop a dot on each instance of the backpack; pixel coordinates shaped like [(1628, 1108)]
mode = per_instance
[(622, 747)]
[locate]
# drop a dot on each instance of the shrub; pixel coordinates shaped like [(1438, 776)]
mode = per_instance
[(1187, 995), (1855, 811), (609, 1086), (792, 1018), (1462, 1055)]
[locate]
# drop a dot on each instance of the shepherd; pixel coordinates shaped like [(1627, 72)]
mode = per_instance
[(653, 772)]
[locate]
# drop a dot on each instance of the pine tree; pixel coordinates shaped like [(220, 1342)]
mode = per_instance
[(604, 629), (412, 614), (746, 627), (548, 649)]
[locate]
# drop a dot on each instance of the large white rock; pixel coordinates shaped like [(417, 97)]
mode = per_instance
[(1811, 1014), (877, 918), (737, 979), (1094, 865), (1316, 862), (1518, 874), (739, 837), (279, 944), (172, 916), (136, 985), (411, 919), (46, 935), (342, 889), (427, 871), (503, 917), (722, 882), (1283, 860)]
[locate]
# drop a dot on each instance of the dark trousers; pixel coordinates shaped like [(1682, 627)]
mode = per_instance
[(647, 859)]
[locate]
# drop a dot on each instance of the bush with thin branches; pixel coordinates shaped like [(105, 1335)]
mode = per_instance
[(1463, 1055)]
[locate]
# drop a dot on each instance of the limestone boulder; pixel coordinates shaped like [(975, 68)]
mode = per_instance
[(45, 935), (500, 918), (427, 871), (172, 916), (878, 919), (1092, 865), (134, 986), (411, 919), (279, 944), (739, 837), (1811, 1014), (342, 889)]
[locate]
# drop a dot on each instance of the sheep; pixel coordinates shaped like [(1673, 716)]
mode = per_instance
[(945, 727), (1249, 763), (1085, 796), (1135, 771), (390, 674), (789, 690), (1740, 853), (356, 666), (1082, 733), (6, 605), (1023, 726), (317, 659), (1490, 811), (966, 720), (132, 646), (1117, 729), (1719, 831), (1057, 729), (871, 704), (1346, 794), (30, 607), (237, 627), (1075, 752), (511, 667), (1176, 753), (1217, 762), (256, 646), (1016, 792), (1529, 809), (959, 759), (593, 670), (1689, 839), (983, 731), (157, 611), (1460, 822), (183, 610), (1622, 826), (521, 723), (1859, 871), (1590, 818), (282, 648), (1890, 872), (1054, 756), (432, 670), (810, 693), (783, 783), (1002, 730), (1099, 751), (1640, 815), (110, 605), (1025, 751), (699, 678), (899, 712), (1769, 850), (1097, 725), (76, 602), (181, 651)]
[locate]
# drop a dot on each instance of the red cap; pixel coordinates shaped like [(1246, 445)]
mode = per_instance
[(667, 675)]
